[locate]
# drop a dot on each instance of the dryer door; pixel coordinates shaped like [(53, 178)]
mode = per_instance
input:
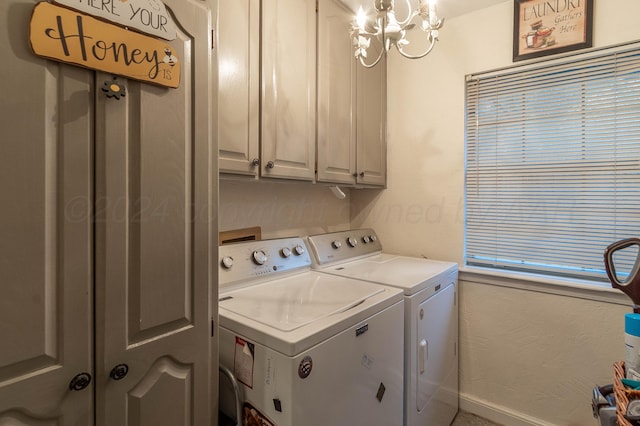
[(437, 319)]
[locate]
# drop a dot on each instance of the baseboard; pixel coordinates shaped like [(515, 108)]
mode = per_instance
[(496, 413)]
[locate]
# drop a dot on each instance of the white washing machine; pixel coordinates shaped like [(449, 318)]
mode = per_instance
[(431, 316), (306, 347)]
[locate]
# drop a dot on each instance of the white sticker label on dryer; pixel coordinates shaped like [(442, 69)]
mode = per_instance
[(243, 360)]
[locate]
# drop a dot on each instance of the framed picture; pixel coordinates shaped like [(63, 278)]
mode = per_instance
[(547, 27)]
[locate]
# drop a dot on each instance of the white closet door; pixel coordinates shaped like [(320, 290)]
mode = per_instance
[(46, 298), (155, 239)]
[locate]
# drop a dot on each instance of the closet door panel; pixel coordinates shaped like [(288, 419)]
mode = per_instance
[(45, 249), (154, 238)]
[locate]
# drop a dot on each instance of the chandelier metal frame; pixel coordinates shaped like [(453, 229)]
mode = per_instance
[(391, 32)]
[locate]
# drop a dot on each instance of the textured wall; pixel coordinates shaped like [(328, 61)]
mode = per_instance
[(281, 208), (534, 355)]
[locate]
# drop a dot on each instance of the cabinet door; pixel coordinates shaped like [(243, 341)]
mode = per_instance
[(336, 94), (372, 124), (156, 240), (238, 31), (45, 223), (288, 89)]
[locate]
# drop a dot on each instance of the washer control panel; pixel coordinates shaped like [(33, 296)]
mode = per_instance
[(246, 261), (344, 245)]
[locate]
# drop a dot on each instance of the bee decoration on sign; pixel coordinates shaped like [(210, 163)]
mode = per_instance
[(169, 57)]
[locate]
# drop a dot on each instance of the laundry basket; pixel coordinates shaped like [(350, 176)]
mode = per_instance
[(235, 390), (622, 394)]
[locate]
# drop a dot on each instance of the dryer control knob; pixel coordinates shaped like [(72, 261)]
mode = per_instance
[(259, 257), (285, 252), (366, 239), (352, 241), (298, 250), (373, 238), (227, 262), (336, 244)]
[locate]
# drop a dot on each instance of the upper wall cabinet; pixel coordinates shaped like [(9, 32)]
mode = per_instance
[(267, 110), (288, 89), (351, 145), (239, 86), (284, 146), (336, 95), (371, 124)]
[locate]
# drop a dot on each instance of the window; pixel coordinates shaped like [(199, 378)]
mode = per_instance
[(553, 163)]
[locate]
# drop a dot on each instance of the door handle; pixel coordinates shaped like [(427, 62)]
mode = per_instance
[(80, 381), (423, 355), (119, 371)]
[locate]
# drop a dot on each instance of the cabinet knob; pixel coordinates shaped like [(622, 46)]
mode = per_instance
[(361, 174), (119, 371), (255, 162), (80, 381), (271, 165), (354, 174)]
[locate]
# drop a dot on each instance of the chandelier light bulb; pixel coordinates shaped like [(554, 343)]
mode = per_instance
[(433, 17), (361, 18)]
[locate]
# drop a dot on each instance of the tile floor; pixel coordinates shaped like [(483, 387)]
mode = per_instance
[(462, 419), (467, 419)]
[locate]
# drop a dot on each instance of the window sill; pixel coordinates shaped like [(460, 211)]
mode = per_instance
[(543, 284)]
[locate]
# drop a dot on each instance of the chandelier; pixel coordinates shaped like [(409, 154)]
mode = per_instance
[(389, 31)]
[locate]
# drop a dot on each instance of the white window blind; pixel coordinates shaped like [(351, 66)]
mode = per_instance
[(553, 163)]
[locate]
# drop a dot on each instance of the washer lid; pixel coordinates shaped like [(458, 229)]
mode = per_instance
[(296, 301)]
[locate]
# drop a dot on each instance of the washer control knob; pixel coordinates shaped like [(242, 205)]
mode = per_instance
[(298, 250), (366, 239), (259, 257), (336, 244), (352, 241), (373, 238), (227, 262), (285, 252)]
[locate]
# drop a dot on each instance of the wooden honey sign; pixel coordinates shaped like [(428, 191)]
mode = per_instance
[(65, 35), (147, 16)]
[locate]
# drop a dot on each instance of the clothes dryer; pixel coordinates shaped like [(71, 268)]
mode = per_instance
[(431, 316), (308, 348)]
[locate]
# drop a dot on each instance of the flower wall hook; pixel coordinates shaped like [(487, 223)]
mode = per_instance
[(113, 89)]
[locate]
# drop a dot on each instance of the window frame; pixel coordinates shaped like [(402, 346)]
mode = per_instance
[(539, 67)]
